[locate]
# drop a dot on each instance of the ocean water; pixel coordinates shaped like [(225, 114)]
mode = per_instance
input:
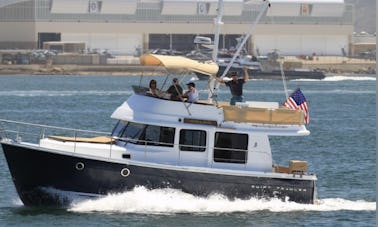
[(341, 150)]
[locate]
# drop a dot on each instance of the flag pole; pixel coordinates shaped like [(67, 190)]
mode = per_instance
[(283, 79)]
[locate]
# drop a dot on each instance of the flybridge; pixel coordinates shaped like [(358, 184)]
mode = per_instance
[(246, 117)]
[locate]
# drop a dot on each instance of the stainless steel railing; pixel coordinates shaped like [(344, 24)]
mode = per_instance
[(32, 133)]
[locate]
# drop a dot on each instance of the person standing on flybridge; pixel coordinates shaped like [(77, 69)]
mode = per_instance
[(235, 85)]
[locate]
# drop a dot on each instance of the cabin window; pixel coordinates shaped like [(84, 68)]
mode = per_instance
[(230, 147), (159, 136), (192, 140)]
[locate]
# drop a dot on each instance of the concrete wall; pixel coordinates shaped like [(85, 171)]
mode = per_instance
[(126, 37), (92, 59), (18, 35), (116, 42), (289, 39)]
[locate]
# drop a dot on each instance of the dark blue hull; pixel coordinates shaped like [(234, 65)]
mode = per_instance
[(34, 169)]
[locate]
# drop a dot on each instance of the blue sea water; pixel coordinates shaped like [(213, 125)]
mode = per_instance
[(341, 150)]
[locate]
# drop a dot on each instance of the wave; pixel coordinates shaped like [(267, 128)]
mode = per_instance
[(282, 92), (363, 77), (170, 201), (50, 93), (343, 78)]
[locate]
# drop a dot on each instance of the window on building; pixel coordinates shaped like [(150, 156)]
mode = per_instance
[(192, 140), (230, 147)]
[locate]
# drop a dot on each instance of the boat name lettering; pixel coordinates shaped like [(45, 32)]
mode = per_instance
[(279, 188)]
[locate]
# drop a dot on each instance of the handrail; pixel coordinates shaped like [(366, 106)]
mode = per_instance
[(39, 135), (36, 132), (124, 139), (53, 127)]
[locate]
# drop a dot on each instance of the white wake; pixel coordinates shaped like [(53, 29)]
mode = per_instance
[(342, 78), (169, 201)]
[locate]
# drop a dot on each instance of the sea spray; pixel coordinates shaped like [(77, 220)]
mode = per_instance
[(170, 201)]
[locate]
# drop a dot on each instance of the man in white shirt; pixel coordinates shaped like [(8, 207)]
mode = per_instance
[(192, 93)]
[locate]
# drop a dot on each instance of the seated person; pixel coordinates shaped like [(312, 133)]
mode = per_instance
[(156, 92), (175, 90), (153, 91), (192, 93)]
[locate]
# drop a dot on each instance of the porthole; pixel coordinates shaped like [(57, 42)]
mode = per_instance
[(79, 166), (125, 172)]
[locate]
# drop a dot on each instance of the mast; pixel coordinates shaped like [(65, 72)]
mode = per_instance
[(262, 11), (217, 22)]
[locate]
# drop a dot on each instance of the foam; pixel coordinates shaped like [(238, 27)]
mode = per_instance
[(343, 78), (169, 201)]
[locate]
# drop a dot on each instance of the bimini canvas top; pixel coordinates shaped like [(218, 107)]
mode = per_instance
[(179, 62)]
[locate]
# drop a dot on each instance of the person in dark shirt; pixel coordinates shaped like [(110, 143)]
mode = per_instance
[(236, 86), (175, 90)]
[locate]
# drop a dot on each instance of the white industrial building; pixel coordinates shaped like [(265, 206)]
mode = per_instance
[(294, 27)]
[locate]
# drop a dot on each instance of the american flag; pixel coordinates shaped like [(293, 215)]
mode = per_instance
[(297, 101)]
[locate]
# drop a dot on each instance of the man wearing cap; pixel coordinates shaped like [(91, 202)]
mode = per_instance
[(235, 85), (191, 94)]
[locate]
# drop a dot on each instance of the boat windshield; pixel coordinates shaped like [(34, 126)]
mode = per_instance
[(118, 129), (129, 131), (143, 134)]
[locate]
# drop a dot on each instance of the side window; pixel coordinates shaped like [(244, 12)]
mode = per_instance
[(159, 136), (192, 140), (167, 136), (230, 147), (152, 135)]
